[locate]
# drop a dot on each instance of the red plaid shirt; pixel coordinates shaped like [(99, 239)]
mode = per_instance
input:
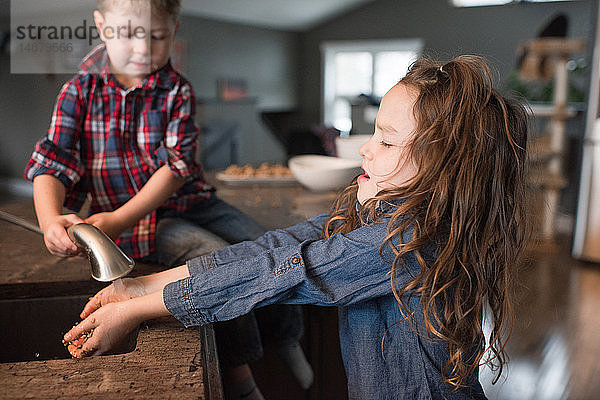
[(104, 142)]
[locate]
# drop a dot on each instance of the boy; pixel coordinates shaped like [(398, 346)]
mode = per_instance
[(123, 134)]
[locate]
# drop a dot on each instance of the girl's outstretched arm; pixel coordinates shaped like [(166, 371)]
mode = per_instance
[(134, 287), (341, 270), (116, 310)]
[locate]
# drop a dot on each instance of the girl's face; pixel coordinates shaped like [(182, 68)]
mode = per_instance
[(385, 160)]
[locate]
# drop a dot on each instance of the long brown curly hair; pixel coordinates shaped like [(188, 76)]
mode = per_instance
[(469, 196)]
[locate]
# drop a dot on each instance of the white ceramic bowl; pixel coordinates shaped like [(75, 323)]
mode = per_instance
[(322, 173), (347, 147)]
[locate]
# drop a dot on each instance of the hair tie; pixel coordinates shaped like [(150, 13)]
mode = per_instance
[(442, 74)]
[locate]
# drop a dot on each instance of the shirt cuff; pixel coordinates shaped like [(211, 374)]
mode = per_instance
[(43, 162), (177, 162), (178, 295), (178, 300)]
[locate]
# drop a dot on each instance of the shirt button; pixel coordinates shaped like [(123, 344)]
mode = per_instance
[(295, 260)]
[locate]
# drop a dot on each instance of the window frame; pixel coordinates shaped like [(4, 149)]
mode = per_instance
[(329, 49)]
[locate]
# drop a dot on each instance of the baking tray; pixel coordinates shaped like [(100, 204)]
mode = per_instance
[(255, 180)]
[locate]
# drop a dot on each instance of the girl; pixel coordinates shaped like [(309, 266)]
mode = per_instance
[(413, 250)]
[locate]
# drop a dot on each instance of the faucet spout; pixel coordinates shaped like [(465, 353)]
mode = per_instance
[(107, 260)]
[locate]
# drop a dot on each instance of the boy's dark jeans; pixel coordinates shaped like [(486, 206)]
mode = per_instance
[(183, 235)]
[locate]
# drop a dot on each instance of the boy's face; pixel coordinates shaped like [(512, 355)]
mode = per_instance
[(138, 41)]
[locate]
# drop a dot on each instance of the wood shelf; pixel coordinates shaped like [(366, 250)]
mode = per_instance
[(555, 46), (543, 180), (549, 110)]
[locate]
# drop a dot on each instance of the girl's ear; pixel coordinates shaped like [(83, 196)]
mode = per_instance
[(99, 21)]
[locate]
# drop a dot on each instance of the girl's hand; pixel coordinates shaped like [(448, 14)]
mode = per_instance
[(55, 235), (102, 330), (124, 289), (109, 223)]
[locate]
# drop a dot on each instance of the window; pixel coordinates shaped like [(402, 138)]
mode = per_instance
[(352, 68)]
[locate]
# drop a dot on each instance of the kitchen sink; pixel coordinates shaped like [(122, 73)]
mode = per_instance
[(32, 328)]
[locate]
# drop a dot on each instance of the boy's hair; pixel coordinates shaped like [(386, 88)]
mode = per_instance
[(469, 196), (169, 8)]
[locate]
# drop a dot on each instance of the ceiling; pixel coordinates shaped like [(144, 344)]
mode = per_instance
[(293, 15), (278, 14)]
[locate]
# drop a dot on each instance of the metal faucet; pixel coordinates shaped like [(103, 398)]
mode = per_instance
[(107, 260)]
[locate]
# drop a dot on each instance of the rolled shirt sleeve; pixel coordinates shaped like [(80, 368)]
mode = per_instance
[(341, 270), (58, 152), (179, 145)]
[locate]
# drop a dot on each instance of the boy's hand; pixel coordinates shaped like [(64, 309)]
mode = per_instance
[(103, 329), (55, 235), (127, 288), (107, 222)]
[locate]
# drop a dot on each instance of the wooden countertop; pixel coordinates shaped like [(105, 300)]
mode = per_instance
[(165, 363), (276, 206)]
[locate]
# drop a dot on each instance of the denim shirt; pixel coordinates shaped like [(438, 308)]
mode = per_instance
[(383, 356)]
